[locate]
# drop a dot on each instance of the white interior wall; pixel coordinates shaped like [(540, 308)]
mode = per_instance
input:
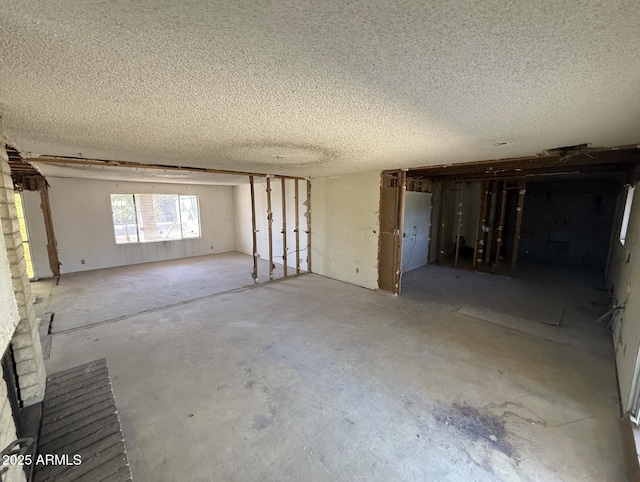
[(624, 276), (417, 220), (243, 235), (81, 210), (344, 227)]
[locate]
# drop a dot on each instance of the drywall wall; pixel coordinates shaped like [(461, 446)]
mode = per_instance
[(624, 277), (415, 238), (81, 210), (37, 234), (243, 225), (344, 227)]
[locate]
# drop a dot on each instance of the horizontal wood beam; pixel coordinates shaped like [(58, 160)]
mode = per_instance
[(598, 160), (61, 160)]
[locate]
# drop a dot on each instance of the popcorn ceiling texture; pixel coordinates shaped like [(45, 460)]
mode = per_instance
[(317, 88)]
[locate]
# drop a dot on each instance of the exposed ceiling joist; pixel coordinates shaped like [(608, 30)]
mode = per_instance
[(23, 173)]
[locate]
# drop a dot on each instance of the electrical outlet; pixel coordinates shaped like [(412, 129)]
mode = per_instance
[(82, 261)]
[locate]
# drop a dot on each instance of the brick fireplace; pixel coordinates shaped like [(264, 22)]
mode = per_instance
[(20, 349)]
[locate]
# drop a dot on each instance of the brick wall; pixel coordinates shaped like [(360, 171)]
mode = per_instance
[(8, 434), (26, 339)]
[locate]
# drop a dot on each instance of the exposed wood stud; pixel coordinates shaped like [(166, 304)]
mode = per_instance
[(52, 245), (297, 228), (431, 229), (284, 227), (402, 180), (254, 231), (455, 262), (500, 229), (491, 220), (482, 221), (270, 225), (309, 227), (522, 185), (444, 194)]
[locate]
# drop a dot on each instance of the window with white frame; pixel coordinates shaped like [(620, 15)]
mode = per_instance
[(145, 218), (627, 213)]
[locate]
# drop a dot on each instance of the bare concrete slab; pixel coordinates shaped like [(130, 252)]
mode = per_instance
[(90, 297), (554, 302), (313, 379)]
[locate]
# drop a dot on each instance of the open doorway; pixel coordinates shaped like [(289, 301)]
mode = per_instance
[(508, 241)]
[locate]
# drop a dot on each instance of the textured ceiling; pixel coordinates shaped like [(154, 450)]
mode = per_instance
[(317, 88)]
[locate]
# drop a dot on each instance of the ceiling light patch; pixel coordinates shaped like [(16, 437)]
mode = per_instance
[(280, 153)]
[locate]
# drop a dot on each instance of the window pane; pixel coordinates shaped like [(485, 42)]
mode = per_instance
[(627, 214), (158, 217), (123, 210), (190, 216)]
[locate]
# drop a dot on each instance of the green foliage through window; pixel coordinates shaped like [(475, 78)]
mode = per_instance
[(142, 218)]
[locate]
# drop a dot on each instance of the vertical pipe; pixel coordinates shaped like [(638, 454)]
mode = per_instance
[(297, 230), (284, 227), (52, 244), (522, 185), (500, 230), (309, 227), (455, 262), (270, 225), (254, 231), (480, 237)]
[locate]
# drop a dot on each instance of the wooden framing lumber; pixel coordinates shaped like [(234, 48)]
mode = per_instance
[(270, 225), (254, 231), (522, 184), (138, 165), (297, 225), (402, 186), (52, 244), (284, 227), (309, 227), (482, 221), (444, 194), (500, 228), (455, 261)]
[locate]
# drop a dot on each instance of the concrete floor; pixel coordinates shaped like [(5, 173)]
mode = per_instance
[(113, 293), (313, 379)]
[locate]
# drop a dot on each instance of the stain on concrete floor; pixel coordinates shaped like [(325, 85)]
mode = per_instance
[(476, 425)]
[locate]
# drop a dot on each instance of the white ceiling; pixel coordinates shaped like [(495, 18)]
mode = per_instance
[(317, 88)]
